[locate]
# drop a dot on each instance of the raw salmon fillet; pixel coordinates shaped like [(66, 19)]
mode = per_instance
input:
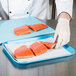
[(23, 52), (37, 27), (48, 44), (38, 48), (22, 30)]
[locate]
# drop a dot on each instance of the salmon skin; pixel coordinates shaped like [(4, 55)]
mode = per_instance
[(38, 48), (22, 30), (37, 27), (23, 52), (48, 44)]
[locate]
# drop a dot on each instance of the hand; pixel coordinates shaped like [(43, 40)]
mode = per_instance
[(62, 32)]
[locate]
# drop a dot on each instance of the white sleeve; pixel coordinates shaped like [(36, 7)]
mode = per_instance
[(64, 6)]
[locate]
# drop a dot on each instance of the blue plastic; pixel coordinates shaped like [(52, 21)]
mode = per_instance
[(7, 27), (14, 61)]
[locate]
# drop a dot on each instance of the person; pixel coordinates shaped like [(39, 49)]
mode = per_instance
[(40, 9)]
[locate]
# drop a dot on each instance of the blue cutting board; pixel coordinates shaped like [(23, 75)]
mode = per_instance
[(7, 27)]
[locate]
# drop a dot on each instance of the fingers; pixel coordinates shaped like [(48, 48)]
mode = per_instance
[(62, 41), (66, 39), (55, 36), (59, 42)]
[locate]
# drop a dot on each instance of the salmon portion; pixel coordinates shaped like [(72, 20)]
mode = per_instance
[(38, 48), (23, 52), (48, 44), (22, 30), (37, 27)]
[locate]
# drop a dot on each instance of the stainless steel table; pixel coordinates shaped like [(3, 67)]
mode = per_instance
[(58, 67)]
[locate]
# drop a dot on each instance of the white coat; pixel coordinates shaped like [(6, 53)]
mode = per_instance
[(36, 8)]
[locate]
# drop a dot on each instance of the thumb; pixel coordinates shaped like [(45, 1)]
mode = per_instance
[(55, 37)]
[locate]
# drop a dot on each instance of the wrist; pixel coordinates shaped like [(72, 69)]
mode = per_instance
[(65, 16)]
